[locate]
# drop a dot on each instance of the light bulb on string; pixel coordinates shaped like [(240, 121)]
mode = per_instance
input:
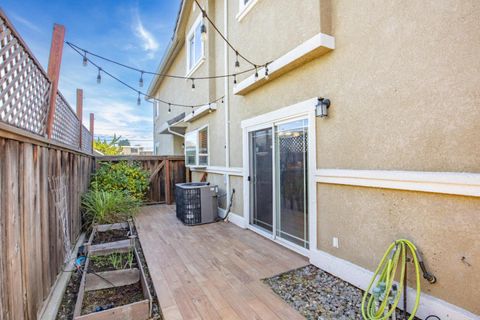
[(256, 72), (139, 101), (140, 82), (209, 108), (193, 84), (267, 76), (234, 79), (203, 27), (99, 76), (85, 60), (237, 63), (193, 110), (169, 107)]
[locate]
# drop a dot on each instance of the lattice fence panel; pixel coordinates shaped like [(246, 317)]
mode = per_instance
[(24, 86), (87, 140), (66, 126)]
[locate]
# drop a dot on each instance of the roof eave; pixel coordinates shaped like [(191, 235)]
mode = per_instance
[(172, 49)]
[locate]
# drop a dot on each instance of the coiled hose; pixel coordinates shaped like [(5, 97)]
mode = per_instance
[(383, 301)]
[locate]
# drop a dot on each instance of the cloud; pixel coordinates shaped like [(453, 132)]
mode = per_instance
[(121, 118), (149, 43), (25, 22)]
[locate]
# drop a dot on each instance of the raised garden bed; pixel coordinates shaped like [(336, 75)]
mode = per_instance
[(113, 280), (110, 237)]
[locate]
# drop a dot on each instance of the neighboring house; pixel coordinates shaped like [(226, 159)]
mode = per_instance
[(135, 151), (397, 157)]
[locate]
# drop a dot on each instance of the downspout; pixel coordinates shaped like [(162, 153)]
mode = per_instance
[(227, 106), (226, 84)]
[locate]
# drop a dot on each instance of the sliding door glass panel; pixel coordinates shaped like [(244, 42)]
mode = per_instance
[(291, 181), (261, 179)]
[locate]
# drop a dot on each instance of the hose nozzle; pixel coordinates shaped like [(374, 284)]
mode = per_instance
[(426, 275)]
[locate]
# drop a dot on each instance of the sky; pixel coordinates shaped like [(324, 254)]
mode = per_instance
[(135, 33)]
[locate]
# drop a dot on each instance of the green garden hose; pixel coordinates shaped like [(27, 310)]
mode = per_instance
[(385, 296)]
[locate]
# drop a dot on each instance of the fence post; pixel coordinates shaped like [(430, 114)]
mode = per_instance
[(54, 62), (168, 193), (92, 127), (80, 114)]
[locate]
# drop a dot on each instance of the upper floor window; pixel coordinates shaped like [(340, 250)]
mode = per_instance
[(195, 46), (196, 147)]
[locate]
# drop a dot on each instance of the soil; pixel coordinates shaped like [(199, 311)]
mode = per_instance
[(110, 236), (105, 263), (70, 297), (113, 297), (65, 312)]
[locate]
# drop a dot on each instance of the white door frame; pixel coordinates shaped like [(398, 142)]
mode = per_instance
[(305, 109)]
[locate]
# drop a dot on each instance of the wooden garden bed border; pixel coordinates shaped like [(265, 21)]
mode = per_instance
[(140, 310)]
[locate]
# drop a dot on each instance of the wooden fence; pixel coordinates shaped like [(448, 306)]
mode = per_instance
[(41, 179), (40, 219), (165, 172)]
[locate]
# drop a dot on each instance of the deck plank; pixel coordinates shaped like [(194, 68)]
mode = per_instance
[(212, 271)]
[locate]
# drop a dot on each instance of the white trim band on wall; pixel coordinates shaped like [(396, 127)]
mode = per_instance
[(457, 183), (232, 171)]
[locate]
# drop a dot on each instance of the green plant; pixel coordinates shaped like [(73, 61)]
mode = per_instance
[(108, 206), (116, 260), (111, 148), (121, 176), (129, 260)]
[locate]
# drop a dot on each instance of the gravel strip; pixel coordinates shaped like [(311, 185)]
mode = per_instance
[(318, 295)]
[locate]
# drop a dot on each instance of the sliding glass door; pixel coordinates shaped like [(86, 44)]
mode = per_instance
[(278, 181), (261, 179), (291, 181)]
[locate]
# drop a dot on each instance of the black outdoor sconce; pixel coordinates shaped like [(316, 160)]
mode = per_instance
[(321, 109)]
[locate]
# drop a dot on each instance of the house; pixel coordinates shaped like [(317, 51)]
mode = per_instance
[(395, 154), (135, 150)]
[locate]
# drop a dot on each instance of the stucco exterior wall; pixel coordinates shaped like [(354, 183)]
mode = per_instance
[(444, 228), (405, 92)]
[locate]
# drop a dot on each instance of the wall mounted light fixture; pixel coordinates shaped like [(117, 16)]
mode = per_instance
[(321, 109)]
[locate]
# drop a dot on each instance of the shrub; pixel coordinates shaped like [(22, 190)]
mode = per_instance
[(123, 177), (108, 206)]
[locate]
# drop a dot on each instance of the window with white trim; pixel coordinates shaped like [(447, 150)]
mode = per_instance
[(195, 46), (244, 7), (196, 147)]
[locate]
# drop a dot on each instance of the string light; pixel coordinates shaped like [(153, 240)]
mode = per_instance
[(139, 101), (203, 27), (99, 76), (169, 107), (193, 84), (85, 60), (234, 79), (267, 76), (101, 70), (79, 49), (193, 110), (209, 108), (237, 63), (256, 72), (140, 82)]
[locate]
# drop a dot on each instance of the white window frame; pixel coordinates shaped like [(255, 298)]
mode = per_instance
[(197, 148), (245, 8), (191, 33)]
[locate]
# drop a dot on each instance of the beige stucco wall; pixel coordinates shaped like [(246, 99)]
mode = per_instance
[(444, 228), (405, 91)]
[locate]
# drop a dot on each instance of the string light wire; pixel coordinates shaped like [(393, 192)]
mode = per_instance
[(140, 93)]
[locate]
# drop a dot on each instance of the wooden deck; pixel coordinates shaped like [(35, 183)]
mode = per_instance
[(213, 271)]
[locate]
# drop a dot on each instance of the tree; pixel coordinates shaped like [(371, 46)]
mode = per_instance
[(108, 148), (124, 143)]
